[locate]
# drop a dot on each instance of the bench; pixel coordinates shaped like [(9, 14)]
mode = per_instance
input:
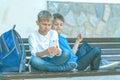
[(110, 51)]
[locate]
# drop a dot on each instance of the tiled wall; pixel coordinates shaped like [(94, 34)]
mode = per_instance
[(90, 19)]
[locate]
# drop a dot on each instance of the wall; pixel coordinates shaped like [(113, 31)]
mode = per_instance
[(89, 19), (23, 13)]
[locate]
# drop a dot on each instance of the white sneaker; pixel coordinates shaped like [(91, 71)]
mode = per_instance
[(74, 70), (106, 65)]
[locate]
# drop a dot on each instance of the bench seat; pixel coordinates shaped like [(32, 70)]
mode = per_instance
[(33, 75)]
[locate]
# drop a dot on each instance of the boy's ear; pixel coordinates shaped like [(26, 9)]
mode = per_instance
[(37, 22)]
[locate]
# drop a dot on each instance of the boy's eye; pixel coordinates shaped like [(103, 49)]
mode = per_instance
[(46, 24), (61, 24), (58, 24)]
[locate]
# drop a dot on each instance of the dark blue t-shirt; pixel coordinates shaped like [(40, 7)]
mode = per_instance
[(63, 43)]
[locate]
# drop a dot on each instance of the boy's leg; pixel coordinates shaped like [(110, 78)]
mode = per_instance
[(42, 65), (59, 60), (92, 56), (96, 61), (104, 64), (83, 49)]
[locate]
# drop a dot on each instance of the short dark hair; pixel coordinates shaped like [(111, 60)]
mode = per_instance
[(58, 16)]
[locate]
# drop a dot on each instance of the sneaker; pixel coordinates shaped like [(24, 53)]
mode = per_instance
[(70, 66), (74, 70), (108, 65), (105, 65)]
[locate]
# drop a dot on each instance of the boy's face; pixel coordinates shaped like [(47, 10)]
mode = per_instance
[(57, 25), (44, 26)]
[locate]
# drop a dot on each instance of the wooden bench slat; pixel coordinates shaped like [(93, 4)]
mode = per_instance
[(107, 46), (91, 40), (25, 40), (58, 74), (112, 58), (104, 46), (111, 52), (104, 52)]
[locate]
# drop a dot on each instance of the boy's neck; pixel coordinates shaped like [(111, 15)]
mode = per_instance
[(42, 33)]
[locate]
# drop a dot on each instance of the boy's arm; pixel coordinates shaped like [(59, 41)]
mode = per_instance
[(33, 45), (76, 44), (46, 52), (50, 51)]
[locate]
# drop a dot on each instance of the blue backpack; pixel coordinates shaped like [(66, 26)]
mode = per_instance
[(13, 55)]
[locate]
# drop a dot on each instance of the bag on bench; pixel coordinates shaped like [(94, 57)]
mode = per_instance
[(13, 52)]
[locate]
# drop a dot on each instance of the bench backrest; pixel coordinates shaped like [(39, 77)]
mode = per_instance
[(110, 46)]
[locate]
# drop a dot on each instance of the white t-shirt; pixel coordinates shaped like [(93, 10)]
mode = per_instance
[(39, 43)]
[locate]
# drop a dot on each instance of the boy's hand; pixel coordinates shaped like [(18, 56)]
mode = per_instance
[(57, 51), (79, 38), (53, 50)]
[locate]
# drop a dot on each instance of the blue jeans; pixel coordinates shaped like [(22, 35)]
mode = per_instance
[(88, 56), (50, 64)]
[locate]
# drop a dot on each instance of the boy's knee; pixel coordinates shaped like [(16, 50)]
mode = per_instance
[(37, 63), (35, 60), (97, 49), (85, 44)]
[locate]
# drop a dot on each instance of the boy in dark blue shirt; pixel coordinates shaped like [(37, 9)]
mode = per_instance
[(83, 54)]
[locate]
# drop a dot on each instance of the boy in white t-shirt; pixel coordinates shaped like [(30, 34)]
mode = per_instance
[(44, 47)]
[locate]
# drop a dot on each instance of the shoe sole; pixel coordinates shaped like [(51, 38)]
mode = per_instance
[(110, 66)]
